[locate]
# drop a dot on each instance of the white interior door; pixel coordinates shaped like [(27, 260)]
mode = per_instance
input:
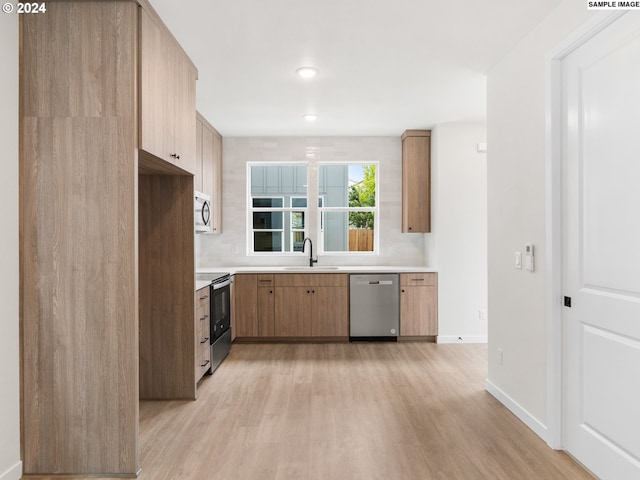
[(601, 251)]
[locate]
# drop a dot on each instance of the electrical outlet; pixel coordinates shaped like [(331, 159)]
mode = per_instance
[(500, 356), (482, 315)]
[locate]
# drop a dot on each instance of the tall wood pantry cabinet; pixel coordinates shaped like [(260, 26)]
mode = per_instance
[(105, 210)]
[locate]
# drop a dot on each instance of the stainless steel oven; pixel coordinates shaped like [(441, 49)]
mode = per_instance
[(220, 317)]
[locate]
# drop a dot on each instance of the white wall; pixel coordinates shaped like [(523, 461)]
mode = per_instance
[(459, 209), (10, 465), (516, 215), (229, 248)]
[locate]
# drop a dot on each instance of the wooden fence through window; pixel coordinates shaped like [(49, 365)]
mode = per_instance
[(360, 240)]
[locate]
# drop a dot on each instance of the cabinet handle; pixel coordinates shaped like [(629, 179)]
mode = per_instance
[(204, 318), (204, 298), (176, 156), (410, 228), (308, 291), (206, 362), (205, 339), (270, 291), (313, 291), (265, 281), (418, 279), (402, 290)]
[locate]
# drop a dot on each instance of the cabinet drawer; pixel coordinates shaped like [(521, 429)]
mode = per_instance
[(311, 280), (265, 280), (203, 362), (202, 298), (202, 318), (202, 338), (408, 279)]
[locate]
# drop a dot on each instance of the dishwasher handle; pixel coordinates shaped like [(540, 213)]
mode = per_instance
[(376, 282)]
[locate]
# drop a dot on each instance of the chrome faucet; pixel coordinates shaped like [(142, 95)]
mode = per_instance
[(311, 259)]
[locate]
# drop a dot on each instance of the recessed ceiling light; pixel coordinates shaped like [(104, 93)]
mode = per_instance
[(307, 72), (310, 117)]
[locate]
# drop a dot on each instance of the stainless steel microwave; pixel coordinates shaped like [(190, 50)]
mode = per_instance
[(202, 213)]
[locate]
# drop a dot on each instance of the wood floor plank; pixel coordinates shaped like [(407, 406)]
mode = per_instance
[(407, 411)]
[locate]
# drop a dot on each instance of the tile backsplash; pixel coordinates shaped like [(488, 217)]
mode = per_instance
[(230, 247)]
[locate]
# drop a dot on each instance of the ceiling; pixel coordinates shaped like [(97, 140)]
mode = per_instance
[(384, 66)]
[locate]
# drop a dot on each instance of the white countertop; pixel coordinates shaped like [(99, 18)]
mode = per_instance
[(202, 284), (317, 269)]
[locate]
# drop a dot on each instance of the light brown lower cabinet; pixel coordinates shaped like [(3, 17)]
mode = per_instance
[(245, 302), (311, 312), (418, 304), (266, 312), (311, 305), (203, 327), (291, 305), (330, 312)]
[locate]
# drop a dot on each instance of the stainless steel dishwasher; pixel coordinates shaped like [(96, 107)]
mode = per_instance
[(374, 307)]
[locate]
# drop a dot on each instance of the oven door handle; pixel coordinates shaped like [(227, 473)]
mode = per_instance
[(226, 283)]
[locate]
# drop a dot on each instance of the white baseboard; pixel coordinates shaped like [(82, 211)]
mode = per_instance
[(461, 339), (529, 420), (14, 473)]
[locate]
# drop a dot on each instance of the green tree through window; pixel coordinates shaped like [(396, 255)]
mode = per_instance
[(363, 194)]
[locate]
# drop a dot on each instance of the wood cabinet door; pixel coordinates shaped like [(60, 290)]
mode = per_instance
[(266, 305), (418, 310), (207, 162), (154, 100), (330, 312), (216, 198), (197, 174), (167, 97), (292, 312), (184, 120), (245, 293), (416, 181)]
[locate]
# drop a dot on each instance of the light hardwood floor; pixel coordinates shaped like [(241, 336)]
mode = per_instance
[(345, 411)]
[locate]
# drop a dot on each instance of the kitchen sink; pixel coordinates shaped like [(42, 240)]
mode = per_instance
[(311, 269)]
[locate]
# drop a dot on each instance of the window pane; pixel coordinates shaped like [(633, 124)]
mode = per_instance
[(263, 202), (278, 179), (267, 220), (297, 220), (298, 238), (267, 241), (298, 202), (361, 220), (348, 185), (339, 236)]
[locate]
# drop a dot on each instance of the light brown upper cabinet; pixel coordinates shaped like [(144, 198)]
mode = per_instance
[(167, 96), (208, 172), (416, 181)]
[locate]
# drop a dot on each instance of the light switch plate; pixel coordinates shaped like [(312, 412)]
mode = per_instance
[(519, 260)]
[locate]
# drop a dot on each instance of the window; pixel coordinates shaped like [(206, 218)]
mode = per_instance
[(346, 209), (277, 208), (349, 213)]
